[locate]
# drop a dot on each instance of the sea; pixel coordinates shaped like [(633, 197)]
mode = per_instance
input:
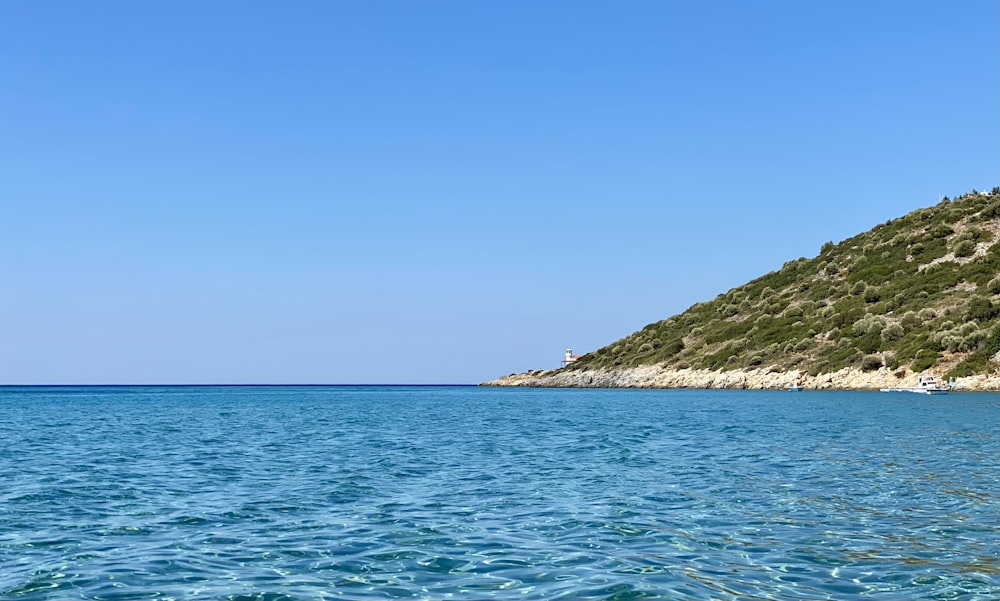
[(451, 492)]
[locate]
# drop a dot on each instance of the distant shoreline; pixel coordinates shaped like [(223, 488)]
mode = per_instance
[(653, 376), (234, 385)]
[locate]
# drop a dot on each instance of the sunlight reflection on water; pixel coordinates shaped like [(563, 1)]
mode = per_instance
[(428, 493)]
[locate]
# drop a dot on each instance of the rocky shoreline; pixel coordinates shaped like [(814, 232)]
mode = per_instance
[(655, 376)]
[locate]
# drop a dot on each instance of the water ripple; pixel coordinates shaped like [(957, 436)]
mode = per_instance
[(431, 493)]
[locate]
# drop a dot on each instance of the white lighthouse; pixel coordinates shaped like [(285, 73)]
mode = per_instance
[(570, 357)]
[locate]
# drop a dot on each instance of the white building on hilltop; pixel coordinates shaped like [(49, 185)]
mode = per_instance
[(570, 357)]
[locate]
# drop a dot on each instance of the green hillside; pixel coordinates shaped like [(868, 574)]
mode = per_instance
[(920, 291)]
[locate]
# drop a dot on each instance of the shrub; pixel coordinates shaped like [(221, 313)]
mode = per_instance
[(867, 324), (964, 248), (858, 288), (793, 311), (967, 328), (872, 295), (951, 342), (892, 332), (952, 216), (992, 211), (674, 346), (941, 231), (728, 310), (974, 364), (870, 342), (981, 309), (976, 235), (910, 320), (994, 286), (926, 314), (827, 247), (993, 341), (972, 340)]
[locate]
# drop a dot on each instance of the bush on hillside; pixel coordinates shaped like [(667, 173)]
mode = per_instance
[(871, 362), (992, 211), (910, 320), (892, 332), (964, 248), (868, 324), (982, 309), (975, 363), (941, 231), (974, 340), (993, 341), (994, 286)]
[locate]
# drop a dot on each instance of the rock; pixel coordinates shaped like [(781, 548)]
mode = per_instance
[(655, 376)]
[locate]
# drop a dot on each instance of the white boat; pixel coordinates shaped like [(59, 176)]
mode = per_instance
[(925, 385), (928, 385), (793, 387)]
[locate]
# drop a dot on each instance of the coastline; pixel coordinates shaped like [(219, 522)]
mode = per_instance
[(654, 376)]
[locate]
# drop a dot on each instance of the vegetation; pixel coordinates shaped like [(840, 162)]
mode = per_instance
[(914, 292)]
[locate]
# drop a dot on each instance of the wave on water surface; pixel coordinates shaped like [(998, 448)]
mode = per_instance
[(280, 493)]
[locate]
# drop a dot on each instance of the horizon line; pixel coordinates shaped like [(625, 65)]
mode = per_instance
[(216, 385)]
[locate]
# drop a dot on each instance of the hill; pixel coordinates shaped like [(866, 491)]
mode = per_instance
[(915, 294)]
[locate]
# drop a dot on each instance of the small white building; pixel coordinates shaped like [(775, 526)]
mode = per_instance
[(570, 357)]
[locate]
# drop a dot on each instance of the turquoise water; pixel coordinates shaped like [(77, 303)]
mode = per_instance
[(465, 493)]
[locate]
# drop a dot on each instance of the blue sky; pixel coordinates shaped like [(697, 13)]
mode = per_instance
[(446, 192)]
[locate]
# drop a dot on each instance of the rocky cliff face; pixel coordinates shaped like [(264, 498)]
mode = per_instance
[(655, 376)]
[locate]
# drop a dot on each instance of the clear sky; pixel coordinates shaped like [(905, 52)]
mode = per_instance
[(447, 192)]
